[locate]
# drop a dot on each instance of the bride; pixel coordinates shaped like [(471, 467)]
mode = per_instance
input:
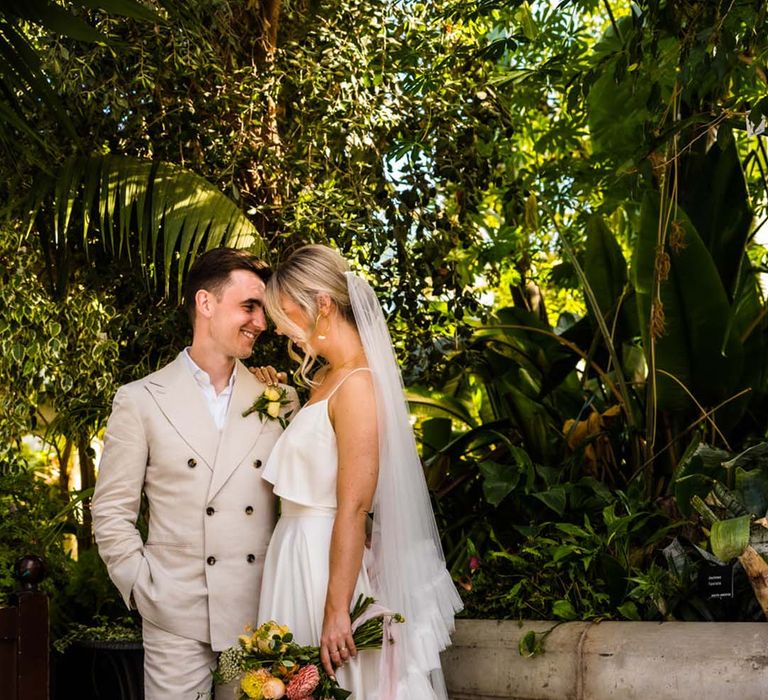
[(349, 452)]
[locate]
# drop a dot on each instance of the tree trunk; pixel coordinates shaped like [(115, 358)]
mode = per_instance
[(64, 457), (757, 571), (261, 20), (88, 480)]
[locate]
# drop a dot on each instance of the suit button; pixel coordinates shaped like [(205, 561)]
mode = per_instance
[(211, 561), (191, 463), (249, 510), (257, 464), (209, 510), (251, 558)]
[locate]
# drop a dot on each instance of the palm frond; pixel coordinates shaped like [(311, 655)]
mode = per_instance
[(156, 214)]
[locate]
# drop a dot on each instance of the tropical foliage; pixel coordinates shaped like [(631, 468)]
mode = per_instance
[(668, 346), (561, 204)]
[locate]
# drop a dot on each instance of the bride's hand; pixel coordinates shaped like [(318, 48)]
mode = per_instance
[(336, 642), (269, 375)]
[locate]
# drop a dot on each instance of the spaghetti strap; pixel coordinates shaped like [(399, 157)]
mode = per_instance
[(344, 379)]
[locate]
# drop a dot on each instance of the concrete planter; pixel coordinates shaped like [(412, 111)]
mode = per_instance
[(609, 660)]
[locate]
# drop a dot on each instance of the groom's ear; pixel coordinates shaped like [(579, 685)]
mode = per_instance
[(203, 305)]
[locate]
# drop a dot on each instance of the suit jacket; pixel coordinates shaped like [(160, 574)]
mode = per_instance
[(211, 514)]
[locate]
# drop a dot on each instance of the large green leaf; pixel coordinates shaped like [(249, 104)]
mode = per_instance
[(714, 194), (532, 420), (130, 205), (555, 498), (695, 346), (424, 402), (755, 457), (564, 610), (499, 480), (520, 336), (605, 270), (748, 324), (750, 478), (730, 537), (604, 265), (752, 490)]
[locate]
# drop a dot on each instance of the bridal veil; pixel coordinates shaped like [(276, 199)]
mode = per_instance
[(408, 575)]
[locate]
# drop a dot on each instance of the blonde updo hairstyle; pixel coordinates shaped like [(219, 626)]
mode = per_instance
[(310, 271)]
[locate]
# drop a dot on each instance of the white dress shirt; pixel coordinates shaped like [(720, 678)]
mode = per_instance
[(217, 404)]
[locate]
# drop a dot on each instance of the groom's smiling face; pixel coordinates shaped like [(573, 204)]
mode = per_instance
[(236, 314)]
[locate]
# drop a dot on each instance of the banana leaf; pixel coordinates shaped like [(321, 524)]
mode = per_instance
[(604, 265), (749, 324), (532, 420), (713, 192), (424, 402), (694, 346)]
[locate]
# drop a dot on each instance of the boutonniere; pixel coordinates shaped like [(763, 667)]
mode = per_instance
[(269, 404)]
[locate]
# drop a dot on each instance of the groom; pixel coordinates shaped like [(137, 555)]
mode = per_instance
[(179, 436)]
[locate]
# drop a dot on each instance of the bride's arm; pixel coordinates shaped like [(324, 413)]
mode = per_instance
[(353, 414)]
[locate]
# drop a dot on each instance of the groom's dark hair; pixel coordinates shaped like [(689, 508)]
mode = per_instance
[(212, 269)]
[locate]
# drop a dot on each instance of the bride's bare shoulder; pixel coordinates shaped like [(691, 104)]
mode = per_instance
[(354, 384)]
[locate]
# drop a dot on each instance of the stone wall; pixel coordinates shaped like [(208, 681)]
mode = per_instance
[(609, 660)]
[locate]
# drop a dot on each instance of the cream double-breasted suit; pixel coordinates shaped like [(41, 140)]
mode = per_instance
[(198, 575)]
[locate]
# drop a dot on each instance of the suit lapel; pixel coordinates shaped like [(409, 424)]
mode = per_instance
[(239, 434), (174, 390)]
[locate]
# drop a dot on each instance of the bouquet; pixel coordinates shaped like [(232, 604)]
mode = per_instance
[(271, 665)]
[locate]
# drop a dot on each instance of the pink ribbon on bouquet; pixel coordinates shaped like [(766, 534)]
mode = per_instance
[(389, 651)]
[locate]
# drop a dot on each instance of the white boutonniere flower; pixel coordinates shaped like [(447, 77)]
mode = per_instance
[(269, 404)]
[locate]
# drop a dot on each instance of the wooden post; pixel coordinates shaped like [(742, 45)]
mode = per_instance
[(33, 668), (24, 637), (9, 627)]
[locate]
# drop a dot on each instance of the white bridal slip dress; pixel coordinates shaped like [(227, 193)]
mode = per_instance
[(303, 468)]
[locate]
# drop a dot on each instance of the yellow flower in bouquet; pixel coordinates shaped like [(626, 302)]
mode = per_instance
[(260, 684), (253, 683), (269, 638)]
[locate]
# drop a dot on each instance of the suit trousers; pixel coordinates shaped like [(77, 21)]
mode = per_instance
[(178, 668)]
